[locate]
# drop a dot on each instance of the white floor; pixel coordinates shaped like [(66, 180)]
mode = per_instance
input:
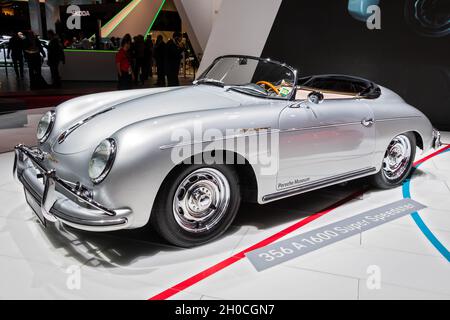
[(45, 263)]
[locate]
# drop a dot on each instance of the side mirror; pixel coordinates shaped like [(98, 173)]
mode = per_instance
[(315, 97), (242, 61)]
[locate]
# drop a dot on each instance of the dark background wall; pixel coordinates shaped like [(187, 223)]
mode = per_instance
[(321, 36)]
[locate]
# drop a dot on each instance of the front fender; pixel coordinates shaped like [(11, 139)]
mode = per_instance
[(148, 150)]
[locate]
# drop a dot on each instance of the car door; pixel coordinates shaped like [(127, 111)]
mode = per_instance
[(327, 141)]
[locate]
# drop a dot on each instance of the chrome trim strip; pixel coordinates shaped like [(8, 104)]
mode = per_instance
[(397, 118), (243, 135), (346, 124), (85, 222), (317, 184), (67, 132), (169, 146), (321, 127)]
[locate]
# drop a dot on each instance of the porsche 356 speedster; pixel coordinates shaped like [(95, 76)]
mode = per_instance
[(183, 158)]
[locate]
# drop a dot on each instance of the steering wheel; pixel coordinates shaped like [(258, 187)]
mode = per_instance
[(270, 85)]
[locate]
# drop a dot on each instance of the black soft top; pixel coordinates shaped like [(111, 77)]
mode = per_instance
[(341, 84)]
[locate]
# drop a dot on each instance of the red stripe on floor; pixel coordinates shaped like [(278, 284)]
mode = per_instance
[(431, 155), (235, 258)]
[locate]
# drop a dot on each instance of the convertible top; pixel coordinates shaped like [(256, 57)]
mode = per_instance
[(341, 84)]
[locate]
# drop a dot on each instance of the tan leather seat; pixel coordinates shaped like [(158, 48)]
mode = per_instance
[(302, 94)]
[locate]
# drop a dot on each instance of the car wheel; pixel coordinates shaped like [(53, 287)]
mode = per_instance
[(196, 204), (397, 161)]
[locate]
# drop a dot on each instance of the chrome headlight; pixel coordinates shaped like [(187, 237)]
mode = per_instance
[(102, 160), (45, 126)]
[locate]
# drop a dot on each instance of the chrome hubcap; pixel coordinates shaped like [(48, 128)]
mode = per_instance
[(396, 159), (201, 200)]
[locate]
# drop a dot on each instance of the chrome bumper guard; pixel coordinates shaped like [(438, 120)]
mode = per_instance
[(55, 205), (436, 139)]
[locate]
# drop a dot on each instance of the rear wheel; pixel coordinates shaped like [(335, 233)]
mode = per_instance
[(196, 204), (397, 161)]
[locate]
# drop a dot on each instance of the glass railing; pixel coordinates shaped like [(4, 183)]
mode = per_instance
[(19, 126)]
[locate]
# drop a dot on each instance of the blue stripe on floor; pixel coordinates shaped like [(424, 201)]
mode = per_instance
[(420, 223)]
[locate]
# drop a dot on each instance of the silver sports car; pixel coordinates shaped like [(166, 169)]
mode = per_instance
[(183, 158)]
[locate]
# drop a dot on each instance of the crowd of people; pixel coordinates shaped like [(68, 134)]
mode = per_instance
[(27, 46), (134, 60)]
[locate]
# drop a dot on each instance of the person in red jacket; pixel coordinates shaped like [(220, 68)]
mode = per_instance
[(123, 65)]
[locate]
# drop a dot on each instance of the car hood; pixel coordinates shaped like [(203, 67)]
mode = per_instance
[(96, 117)]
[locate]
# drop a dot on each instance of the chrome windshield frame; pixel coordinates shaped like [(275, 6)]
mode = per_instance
[(294, 71)]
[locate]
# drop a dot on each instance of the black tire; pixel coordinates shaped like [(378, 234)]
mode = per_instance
[(163, 216), (382, 179)]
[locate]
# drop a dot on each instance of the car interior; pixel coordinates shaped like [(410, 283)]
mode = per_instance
[(337, 87)]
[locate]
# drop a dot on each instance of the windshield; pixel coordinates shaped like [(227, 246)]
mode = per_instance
[(254, 76)]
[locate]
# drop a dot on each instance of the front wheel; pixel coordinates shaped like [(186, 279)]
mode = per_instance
[(397, 161), (196, 204)]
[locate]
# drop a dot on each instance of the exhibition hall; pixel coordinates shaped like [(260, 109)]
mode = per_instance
[(225, 150)]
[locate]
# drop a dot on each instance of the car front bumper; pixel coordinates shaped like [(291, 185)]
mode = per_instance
[(436, 139), (61, 200)]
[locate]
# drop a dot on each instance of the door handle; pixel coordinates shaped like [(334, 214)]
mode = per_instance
[(367, 122)]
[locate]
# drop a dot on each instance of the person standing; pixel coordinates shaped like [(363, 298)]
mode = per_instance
[(139, 56), (15, 51), (123, 65), (85, 42), (33, 51), (174, 50), (148, 58), (160, 57), (55, 56)]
